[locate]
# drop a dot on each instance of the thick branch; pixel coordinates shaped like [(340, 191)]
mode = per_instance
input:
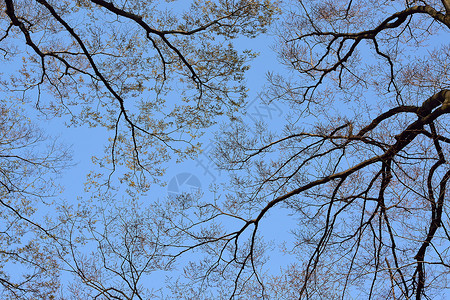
[(403, 139)]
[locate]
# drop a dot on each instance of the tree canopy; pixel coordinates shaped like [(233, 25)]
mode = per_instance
[(360, 167)]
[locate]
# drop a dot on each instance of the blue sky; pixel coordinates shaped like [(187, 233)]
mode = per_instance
[(86, 142), (194, 174)]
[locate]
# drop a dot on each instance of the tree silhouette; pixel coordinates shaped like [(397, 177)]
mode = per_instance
[(361, 164), (114, 65), (363, 160)]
